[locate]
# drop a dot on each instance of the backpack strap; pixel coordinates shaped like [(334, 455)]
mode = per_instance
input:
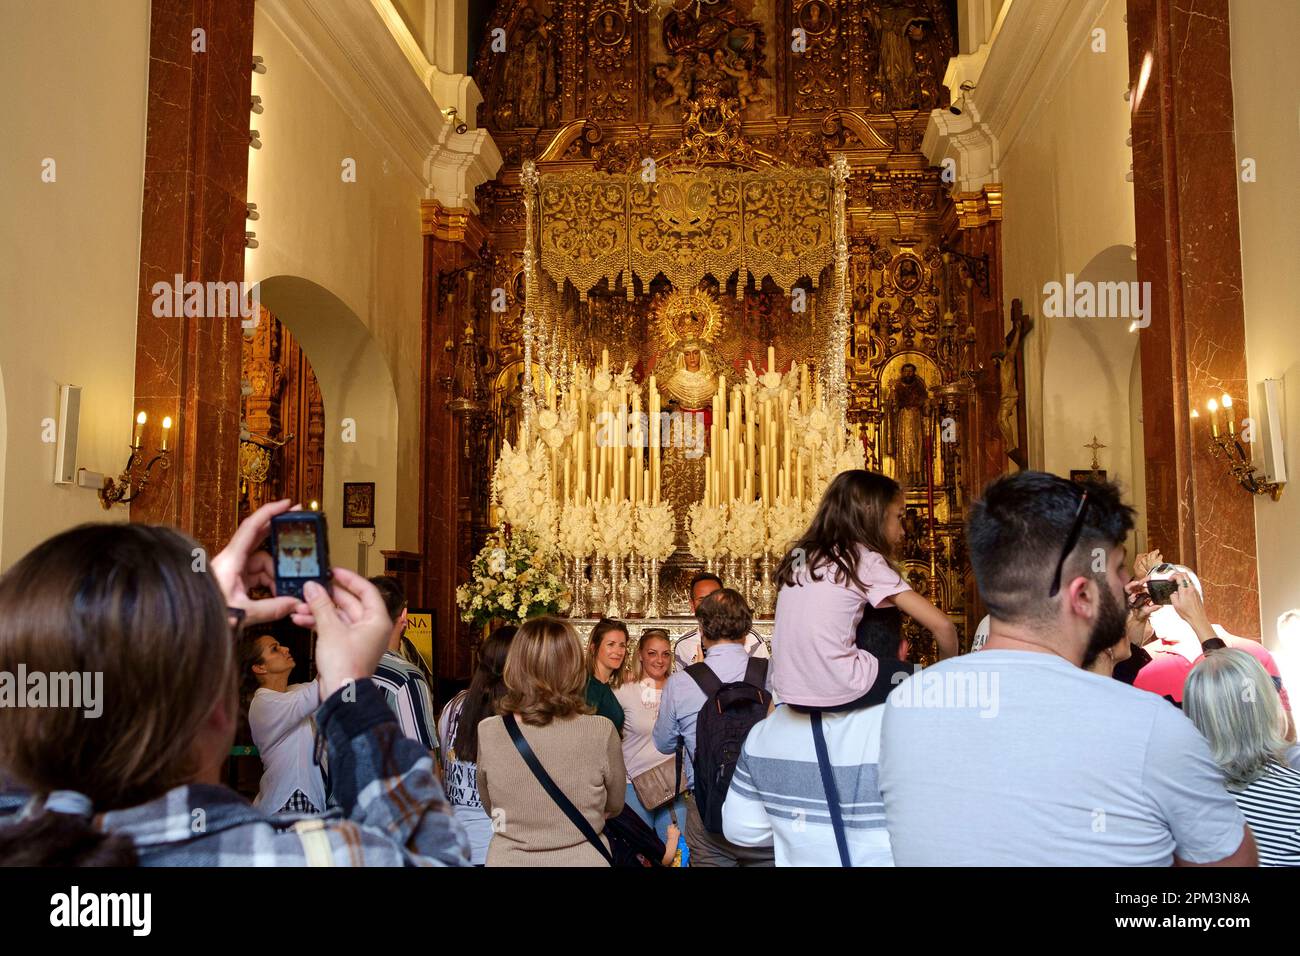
[(703, 675), (828, 784), (756, 673), (552, 791), (315, 842)]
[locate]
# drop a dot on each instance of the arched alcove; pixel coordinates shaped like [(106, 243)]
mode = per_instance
[(1087, 373), (360, 406)]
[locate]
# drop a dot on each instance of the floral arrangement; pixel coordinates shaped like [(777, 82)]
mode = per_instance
[(785, 523), (656, 530), (706, 530), (520, 486), (746, 530), (839, 451), (512, 579), (576, 530), (613, 520)]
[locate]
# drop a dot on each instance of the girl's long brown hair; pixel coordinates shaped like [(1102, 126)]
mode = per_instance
[(852, 512), (124, 601)]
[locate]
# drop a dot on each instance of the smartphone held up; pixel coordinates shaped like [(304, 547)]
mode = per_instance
[(300, 549)]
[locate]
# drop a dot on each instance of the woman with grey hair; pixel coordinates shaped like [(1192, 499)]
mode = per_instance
[(1232, 701)]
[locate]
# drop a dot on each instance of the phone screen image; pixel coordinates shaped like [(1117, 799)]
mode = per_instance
[(297, 552)]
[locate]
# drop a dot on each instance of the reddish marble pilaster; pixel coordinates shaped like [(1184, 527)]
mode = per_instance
[(1189, 250), (452, 238), (192, 225)]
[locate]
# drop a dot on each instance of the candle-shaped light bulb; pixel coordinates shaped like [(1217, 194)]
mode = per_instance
[(1213, 406), (167, 427), (315, 505), (139, 427), (1227, 407)]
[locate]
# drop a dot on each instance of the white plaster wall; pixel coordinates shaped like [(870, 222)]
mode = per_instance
[(361, 243), (1067, 209), (73, 87), (1265, 78)]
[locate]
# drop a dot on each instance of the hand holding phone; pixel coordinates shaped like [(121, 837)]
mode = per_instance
[(240, 567)]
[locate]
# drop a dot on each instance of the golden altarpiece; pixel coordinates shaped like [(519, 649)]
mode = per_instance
[(702, 195)]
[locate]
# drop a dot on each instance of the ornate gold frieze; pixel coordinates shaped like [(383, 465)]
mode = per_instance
[(685, 224)]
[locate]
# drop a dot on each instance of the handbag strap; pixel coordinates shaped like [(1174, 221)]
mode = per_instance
[(552, 791), (828, 784)]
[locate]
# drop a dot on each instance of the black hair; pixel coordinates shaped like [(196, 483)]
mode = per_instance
[(1017, 529), (486, 687), (703, 576), (391, 591)]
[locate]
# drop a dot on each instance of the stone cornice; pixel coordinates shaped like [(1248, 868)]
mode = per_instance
[(369, 61), (452, 225), (1028, 55)]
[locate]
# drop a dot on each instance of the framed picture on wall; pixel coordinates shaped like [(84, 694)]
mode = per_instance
[(358, 504)]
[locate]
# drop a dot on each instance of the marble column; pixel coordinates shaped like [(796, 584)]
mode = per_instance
[(192, 225), (1189, 250), (452, 238)]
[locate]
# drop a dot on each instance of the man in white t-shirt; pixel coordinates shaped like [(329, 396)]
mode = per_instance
[(687, 649), (1018, 756)]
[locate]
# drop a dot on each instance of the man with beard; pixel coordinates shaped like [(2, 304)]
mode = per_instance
[(1020, 756)]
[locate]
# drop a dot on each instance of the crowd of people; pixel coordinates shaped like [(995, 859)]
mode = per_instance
[(1100, 718)]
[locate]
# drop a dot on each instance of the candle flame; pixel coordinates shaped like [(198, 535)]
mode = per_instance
[(1212, 405), (141, 418)]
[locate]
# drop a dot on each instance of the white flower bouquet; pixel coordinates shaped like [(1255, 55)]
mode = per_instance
[(512, 579), (656, 530), (706, 530), (746, 530), (577, 531)]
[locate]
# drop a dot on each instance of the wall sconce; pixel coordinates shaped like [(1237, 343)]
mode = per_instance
[(1229, 449), (114, 492)]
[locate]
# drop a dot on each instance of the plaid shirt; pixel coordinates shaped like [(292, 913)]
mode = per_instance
[(393, 811)]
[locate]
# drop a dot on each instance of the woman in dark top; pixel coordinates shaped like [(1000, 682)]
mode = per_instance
[(606, 655)]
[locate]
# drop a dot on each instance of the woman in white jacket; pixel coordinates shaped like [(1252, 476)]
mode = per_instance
[(280, 718)]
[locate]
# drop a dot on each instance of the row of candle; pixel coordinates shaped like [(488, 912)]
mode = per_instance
[(753, 452), (1212, 406)]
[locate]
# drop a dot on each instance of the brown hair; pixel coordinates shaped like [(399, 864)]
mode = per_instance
[(724, 616), (651, 634), (607, 625), (545, 675), (124, 601), (852, 512), (251, 653)]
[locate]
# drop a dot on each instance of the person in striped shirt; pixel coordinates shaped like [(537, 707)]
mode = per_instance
[(1231, 699), (401, 682)]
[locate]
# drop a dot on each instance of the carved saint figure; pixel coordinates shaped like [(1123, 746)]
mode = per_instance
[(1008, 391), (908, 432), (530, 76), (896, 77)]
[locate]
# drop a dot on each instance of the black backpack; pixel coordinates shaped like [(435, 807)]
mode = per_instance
[(729, 711)]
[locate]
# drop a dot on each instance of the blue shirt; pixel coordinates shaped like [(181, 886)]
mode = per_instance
[(682, 699)]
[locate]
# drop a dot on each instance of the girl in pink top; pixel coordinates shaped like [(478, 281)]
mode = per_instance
[(842, 564)]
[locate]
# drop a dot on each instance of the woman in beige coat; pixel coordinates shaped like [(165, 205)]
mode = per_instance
[(546, 680)]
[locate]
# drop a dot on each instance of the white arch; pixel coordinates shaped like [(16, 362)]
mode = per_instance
[(356, 385)]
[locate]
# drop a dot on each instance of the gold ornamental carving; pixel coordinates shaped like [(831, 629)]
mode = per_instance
[(685, 223)]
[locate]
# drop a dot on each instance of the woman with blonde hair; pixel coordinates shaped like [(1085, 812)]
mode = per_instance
[(549, 770), (639, 697), (1233, 702)]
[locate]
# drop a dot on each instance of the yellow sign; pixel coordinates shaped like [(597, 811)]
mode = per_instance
[(419, 630)]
